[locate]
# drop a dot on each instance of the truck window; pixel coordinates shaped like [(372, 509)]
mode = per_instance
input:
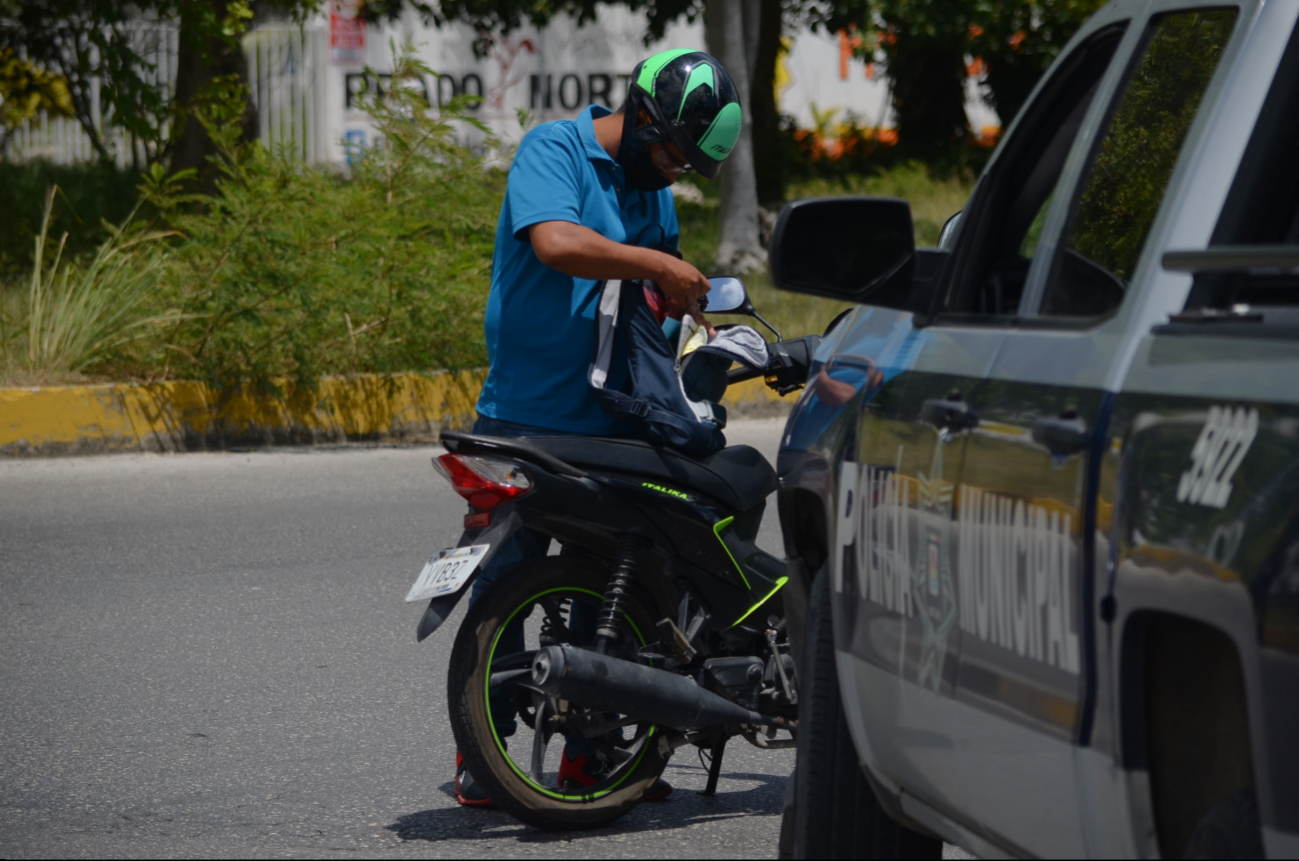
[(1262, 207), (1010, 216), (1134, 161)]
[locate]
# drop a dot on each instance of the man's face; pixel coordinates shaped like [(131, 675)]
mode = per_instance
[(667, 156), (668, 160)]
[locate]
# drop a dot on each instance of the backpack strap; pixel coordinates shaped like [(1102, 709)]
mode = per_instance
[(606, 316)]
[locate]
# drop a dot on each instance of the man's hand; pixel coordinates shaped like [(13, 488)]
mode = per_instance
[(681, 282), (581, 252), (692, 311)]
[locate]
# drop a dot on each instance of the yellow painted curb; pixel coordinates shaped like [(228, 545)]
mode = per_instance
[(188, 416)]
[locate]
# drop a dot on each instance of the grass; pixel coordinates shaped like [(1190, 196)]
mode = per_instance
[(75, 315), (932, 201)]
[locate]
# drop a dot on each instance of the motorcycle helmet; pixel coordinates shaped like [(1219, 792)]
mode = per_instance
[(691, 102)]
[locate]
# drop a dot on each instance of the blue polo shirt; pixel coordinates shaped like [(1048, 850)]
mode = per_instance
[(540, 322)]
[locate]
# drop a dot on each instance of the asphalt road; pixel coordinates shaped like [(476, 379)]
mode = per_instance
[(208, 655)]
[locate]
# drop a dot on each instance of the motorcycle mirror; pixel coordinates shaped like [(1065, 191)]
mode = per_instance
[(728, 296)]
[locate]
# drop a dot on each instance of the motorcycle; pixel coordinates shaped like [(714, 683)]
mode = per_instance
[(659, 624)]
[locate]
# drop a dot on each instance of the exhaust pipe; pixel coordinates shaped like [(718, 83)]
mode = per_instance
[(613, 685)]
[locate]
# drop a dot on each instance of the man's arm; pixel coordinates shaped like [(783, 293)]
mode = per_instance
[(581, 252)]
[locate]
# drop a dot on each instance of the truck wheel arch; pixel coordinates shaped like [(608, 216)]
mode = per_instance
[(1185, 719), (804, 524)]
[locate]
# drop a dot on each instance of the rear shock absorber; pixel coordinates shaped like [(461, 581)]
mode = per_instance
[(615, 594)]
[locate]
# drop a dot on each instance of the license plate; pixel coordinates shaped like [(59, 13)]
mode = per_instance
[(446, 572)]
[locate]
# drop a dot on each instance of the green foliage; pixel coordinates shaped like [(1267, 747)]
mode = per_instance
[(93, 49), (26, 91), (295, 272), (77, 316), (1140, 148), (491, 16), (1018, 41), (923, 45), (90, 195), (84, 40)]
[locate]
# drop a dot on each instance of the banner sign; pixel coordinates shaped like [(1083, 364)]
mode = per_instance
[(346, 33)]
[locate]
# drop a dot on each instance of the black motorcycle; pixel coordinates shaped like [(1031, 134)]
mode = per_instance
[(659, 624)]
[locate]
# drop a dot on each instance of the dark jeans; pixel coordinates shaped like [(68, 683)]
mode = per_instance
[(520, 546)]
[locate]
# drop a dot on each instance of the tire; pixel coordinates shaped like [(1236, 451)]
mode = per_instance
[(835, 812), (510, 784), (1230, 829)]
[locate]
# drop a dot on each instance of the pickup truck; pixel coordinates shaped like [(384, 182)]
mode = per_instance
[(1040, 497)]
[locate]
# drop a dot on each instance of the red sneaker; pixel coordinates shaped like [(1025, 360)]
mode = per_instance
[(468, 791), (579, 771)]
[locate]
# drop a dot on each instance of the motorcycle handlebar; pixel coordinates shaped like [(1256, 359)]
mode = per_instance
[(788, 364)]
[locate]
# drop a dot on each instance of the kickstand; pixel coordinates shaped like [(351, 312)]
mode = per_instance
[(715, 767)]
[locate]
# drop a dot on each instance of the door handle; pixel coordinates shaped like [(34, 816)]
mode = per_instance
[(951, 414), (1063, 435)]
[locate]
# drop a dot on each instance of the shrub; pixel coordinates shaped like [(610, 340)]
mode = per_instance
[(294, 272)]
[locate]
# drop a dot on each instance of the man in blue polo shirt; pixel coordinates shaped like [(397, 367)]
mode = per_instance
[(587, 201)]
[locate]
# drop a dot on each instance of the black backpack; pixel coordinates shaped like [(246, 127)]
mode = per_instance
[(630, 336)]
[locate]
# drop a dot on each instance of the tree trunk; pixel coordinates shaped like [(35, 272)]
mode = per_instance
[(928, 80), (768, 160), (738, 248), (202, 57)]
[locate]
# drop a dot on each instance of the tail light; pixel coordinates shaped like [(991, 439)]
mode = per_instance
[(486, 482)]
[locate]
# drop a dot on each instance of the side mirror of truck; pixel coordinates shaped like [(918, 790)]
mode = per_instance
[(858, 249)]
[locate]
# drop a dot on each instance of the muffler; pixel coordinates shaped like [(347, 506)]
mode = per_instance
[(611, 684)]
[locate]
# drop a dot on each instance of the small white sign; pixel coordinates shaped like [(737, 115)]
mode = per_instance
[(446, 572)]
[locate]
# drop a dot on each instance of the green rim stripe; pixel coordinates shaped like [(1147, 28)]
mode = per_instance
[(781, 582), (650, 70), (700, 76), (487, 686), (717, 530)]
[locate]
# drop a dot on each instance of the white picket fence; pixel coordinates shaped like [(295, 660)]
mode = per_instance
[(286, 68)]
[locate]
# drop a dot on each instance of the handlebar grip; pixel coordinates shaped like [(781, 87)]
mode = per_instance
[(742, 373)]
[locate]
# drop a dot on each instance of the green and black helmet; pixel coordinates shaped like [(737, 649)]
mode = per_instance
[(691, 102)]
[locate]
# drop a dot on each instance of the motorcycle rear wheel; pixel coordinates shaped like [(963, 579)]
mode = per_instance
[(508, 768)]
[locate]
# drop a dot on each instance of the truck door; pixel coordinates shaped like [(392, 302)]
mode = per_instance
[(897, 602), (906, 573), (1025, 524)]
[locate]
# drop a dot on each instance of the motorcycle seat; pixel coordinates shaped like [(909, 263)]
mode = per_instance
[(738, 476)]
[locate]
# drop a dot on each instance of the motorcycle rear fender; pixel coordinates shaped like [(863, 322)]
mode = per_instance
[(505, 521)]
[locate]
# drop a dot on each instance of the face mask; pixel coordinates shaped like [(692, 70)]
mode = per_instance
[(642, 173), (634, 156)]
